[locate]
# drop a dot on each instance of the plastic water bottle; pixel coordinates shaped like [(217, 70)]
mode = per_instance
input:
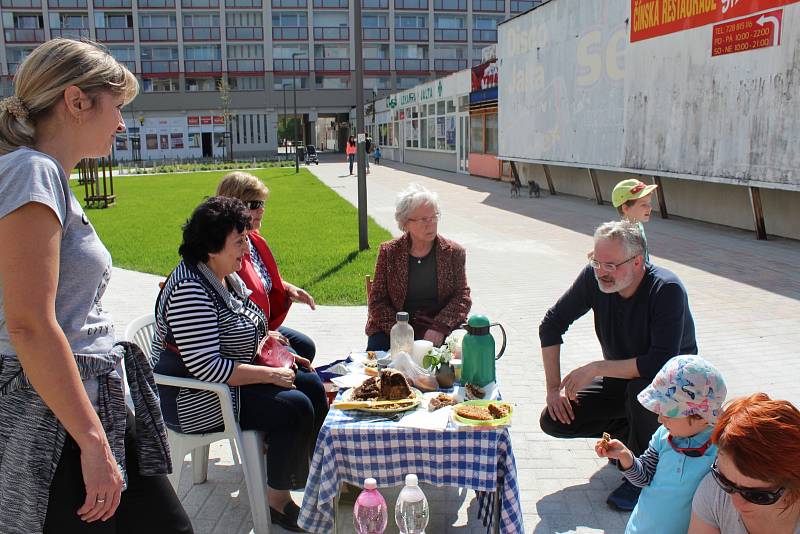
[(401, 336), (411, 512), (370, 513)]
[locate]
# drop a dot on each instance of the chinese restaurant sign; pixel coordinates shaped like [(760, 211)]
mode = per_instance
[(758, 31), (653, 18)]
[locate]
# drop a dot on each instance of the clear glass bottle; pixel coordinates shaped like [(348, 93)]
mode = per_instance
[(370, 513), (401, 337), (411, 513)]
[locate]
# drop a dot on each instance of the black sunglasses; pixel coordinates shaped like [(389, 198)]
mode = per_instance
[(254, 204), (691, 452), (755, 496)]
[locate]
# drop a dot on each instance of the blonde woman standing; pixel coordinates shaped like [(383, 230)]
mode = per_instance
[(71, 458)]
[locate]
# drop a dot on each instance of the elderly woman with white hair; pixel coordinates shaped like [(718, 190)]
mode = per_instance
[(421, 273)]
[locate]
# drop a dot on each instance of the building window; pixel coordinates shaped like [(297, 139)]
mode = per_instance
[(160, 85), (201, 84), (281, 83), (246, 83), (332, 82)]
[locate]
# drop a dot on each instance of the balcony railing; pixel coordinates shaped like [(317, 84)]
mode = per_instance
[(375, 4), (201, 34), (21, 4), (449, 65), (66, 4), (290, 65), (202, 65), (19, 35), (450, 5), (331, 33), (376, 65), (12, 67), (448, 34), (489, 5), (331, 4), (411, 34), (375, 34), (245, 65), (518, 6), (412, 65), (157, 4), (200, 4), (111, 4), (70, 33), (289, 34), (332, 65), (244, 34), (105, 35), (158, 34), (289, 4), (129, 64), (242, 3), (160, 66), (484, 36), (411, 4)]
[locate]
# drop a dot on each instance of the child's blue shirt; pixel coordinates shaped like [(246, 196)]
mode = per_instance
[(668, 479)]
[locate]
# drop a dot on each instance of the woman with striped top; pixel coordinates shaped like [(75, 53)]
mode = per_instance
[(210, 330)]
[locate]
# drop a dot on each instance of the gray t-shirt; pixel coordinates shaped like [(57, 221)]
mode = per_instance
[(85, 264), (715, 507)]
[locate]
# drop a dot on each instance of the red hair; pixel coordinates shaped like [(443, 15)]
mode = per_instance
[(762, 436)]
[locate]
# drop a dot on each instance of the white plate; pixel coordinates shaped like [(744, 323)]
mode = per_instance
[(361, 357)]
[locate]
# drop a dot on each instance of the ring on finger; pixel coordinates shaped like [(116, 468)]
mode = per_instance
[(101, 501)]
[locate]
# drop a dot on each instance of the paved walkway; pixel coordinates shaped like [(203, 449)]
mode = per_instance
[(521, 255)]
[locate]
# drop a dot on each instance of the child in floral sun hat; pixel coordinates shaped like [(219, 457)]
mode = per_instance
[(634, 202), (687, 394)]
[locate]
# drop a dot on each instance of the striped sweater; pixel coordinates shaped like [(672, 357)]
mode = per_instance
[(202, 330)]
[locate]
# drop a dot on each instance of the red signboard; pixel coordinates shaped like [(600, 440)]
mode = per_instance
[(193, 121), (484, 76), (219, 119), (653, 18), (205, 119), (751, 33)]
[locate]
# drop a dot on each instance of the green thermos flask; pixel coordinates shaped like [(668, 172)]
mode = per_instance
[(477, 351)]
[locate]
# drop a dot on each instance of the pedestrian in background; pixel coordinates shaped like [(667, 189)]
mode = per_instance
[(350, 150)]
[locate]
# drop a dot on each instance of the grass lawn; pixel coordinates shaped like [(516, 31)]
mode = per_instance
[(312, 231)]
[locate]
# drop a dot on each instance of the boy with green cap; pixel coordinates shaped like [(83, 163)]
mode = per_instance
[(633, 200)]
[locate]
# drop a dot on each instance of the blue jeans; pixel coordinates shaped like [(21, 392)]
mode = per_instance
[(378, 341), (351, 158), (302, 344)]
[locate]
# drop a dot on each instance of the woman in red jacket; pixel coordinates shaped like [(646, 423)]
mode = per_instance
[(260, 272)]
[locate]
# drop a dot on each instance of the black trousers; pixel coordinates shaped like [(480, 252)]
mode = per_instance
[(149, 504), (292, 419), (608, 405)]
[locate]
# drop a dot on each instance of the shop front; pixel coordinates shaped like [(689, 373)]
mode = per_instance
[(483, 122)]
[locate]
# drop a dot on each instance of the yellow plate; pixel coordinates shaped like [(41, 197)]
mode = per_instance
[(477, 422), (347, 396)]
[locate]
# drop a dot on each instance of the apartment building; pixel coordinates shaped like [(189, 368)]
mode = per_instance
[(262, 49)]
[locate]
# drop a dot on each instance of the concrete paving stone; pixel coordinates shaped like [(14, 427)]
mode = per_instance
[(522, 254)]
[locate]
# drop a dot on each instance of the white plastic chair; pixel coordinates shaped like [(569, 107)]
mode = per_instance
[(249, 442)]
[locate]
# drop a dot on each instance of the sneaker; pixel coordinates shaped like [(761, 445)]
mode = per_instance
[(625, 497)]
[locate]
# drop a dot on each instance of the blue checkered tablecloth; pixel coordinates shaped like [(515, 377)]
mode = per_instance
[(350, 449)]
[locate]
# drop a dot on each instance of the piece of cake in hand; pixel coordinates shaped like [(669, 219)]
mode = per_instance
[(394, 385)]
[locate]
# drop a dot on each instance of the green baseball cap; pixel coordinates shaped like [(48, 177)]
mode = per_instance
[(630, 190)]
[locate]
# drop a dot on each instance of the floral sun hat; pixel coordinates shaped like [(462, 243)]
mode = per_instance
[(686, 385)]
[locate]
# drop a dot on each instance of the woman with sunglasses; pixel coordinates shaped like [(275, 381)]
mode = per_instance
[(260, 271), (754, 486), (421, 273)]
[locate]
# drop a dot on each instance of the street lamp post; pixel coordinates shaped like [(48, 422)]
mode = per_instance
[(294, 96), (363, 239), (285, 154)]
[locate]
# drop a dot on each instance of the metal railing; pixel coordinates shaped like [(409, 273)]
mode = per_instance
[(375, 4), (244, 34), (160, 66), (158, 34), (200, 4), (114, 34), (331, 4), (157, 4), (289, 4), (484, 36), (290, 65), (110, 4), (289, 34), (70, 33), (209, 33), (450, 5), (242, 3), (21, 4), (375, 34), (129, 64), (489, 5), (412, 65), (245, 65), (24, 35), (411, 34), (518, 6), (202, 65), (332, 65), (411, 4), (376, 65), (331, 33), (65, 4), (449, 34), (449, 65)]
